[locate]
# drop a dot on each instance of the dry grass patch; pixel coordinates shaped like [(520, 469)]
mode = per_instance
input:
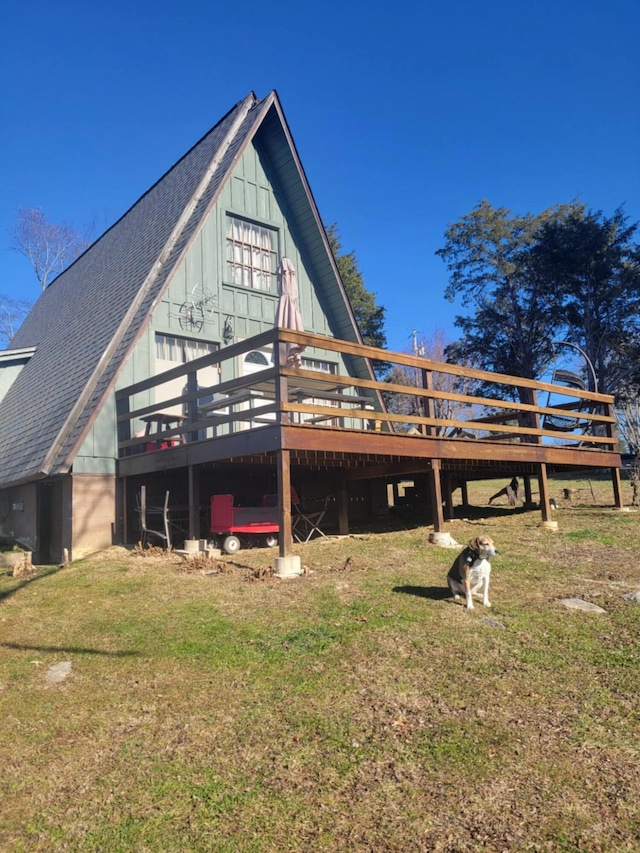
[(354, 708)]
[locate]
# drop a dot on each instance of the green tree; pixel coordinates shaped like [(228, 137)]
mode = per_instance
[(515, 310), (369, 315), (594, 264)]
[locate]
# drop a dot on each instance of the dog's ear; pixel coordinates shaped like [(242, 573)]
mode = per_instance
[(474, 544)]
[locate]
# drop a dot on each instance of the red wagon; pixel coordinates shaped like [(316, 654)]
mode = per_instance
[(227, 521)]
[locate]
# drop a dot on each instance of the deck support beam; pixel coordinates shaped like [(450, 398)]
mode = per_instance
[(528, 497), (287, 563), (283, 467), (545, 506), (448, 496), (121, 495), (194, 501), (435, 487), (343, 507), (617, 488)]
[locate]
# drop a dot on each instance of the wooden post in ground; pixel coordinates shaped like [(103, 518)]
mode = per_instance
[(287, 563), (464, 489), (617, 488), (615, 472), (545, 507), (124, 524), (194, 502), (435, 487), (342, 497), (448, 496), (283, 466)]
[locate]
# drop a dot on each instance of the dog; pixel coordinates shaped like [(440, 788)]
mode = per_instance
[(472, 570)]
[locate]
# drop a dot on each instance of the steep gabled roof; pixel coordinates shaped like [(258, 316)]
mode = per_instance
[(88, 319)]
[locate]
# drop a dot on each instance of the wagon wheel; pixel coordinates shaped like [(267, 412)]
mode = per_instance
[(231, 545)]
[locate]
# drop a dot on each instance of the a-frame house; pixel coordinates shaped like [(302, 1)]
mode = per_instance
[(155, 289), (188, 276)]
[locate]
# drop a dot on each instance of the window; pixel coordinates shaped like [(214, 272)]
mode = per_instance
[(251, 254), (181, 350), (171, 351), (321, 366), (257, 358)]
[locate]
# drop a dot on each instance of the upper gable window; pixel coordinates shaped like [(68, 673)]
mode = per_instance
[(251, 254)]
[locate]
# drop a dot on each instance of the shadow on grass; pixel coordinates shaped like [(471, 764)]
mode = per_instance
[(76, 650), (492, 511), (435, 593), (236, 564), (37, 576)]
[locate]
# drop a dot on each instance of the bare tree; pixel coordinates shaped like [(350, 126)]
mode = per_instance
[(12, 313), (49, 248), (432, 348), (628, 412)]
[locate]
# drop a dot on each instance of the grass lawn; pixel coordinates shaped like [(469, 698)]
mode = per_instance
[(356, 708)]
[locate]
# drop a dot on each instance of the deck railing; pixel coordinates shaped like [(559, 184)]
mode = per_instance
[(425, 399)]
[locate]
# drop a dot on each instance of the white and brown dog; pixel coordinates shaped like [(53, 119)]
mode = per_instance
[(472, 570)]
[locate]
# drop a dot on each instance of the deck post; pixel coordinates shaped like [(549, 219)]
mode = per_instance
[(287, 564), (123, 533), (343, 507), (194, 501), (448, 497), (436, 496), (428, 406), (545, 506), (530, 419), (281, 382), (464, 490), (527, 490), (192, 412), (123, 427), (615, 472), (617, 488)]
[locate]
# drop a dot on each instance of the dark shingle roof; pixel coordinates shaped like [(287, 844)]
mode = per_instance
[(85, 322)]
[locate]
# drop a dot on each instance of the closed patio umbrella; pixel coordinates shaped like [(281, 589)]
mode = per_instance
[(288, 314)]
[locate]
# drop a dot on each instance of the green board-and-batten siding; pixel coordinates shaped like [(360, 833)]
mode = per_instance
[(250, 194)]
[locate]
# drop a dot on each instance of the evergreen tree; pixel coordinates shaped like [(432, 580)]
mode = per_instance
[(595, 265), (515, 311), (369, 315), (566, 273)]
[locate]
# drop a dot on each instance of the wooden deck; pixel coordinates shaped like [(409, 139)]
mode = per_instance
[(434, 421)]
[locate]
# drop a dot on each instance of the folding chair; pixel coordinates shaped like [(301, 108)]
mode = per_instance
[(306, 521), (146, 511)]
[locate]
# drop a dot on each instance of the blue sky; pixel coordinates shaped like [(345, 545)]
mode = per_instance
[(404, 115)]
